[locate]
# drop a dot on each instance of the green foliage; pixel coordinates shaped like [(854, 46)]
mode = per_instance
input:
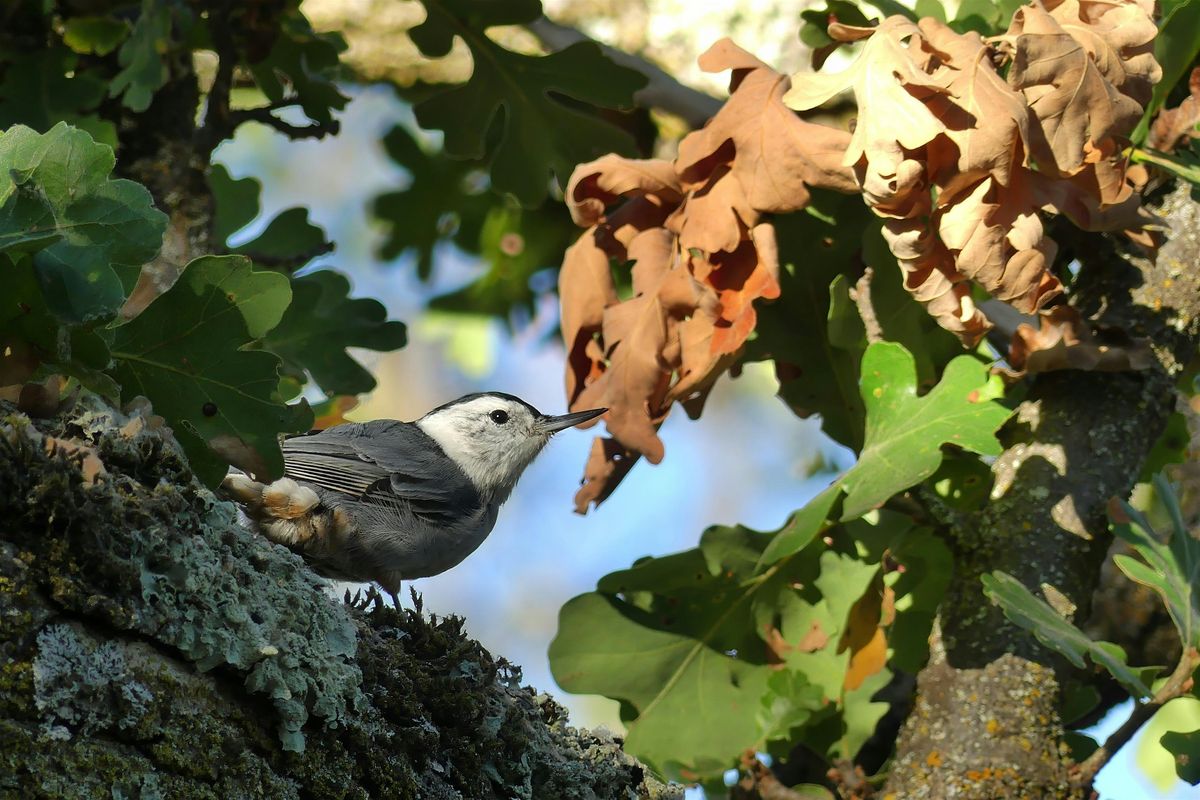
[(793, 331), (1052, 630), (514, 244), (302, 64), (94, 35), (540, 103), (904, 432), (289, 240), (445, 199), (1171, 569), (45, 87), (1184, 163), (144, 71), (1185, 748), (92, 234), (904, 436), (814, 327), (318, 326), (688, 641), (186, 352)]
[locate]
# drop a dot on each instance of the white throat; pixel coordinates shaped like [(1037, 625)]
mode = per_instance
[(493, 470)]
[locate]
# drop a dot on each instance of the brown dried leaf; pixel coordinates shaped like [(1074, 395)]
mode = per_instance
[(607, 464), (1066, 341), (985, 119), (996, 237), (1173, 124), (890, 85), (41, 399), (336, 413), (1084, 75), (596, 185), (237, 452), (700, 259), (775, 155), (864, 637), (84, 455)]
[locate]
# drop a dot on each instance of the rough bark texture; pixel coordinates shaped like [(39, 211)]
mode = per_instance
[(986, 723), (151, 647)]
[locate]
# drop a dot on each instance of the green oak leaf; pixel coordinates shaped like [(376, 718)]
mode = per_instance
[(321, 322), (144, 70), (690, 644), (538, 101), (1051, 629), (904, 432), (94, 35), (815, 375), (445, 199), (57, 184), (46, 87), (236, 201), (673, 639), (33, 342), (1185, 749), (303, 64), (788, 703), (187, 353), (288, 242), (1172, 569)]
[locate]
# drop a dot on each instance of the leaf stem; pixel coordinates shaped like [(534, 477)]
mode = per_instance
[(1178, 684)]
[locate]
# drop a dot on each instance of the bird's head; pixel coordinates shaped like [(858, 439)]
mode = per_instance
[(493, 437)]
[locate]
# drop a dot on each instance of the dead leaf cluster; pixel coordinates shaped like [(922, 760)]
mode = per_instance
[(701, 254), (963, 161)]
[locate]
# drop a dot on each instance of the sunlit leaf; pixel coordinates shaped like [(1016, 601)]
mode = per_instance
[(56, 184), (1052, 630)]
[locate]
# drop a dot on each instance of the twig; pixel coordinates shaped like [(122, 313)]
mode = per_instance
[(263, 114), (1084, 773), (661, 91), (861, 295)]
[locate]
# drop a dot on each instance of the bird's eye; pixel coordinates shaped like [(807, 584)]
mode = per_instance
[(499, 417)]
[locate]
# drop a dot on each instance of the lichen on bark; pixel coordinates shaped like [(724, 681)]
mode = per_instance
[(151, 647)]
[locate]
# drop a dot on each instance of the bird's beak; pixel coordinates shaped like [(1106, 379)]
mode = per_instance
[(555, 424)]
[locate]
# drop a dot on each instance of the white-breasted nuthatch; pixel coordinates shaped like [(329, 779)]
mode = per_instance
[(387, 501)]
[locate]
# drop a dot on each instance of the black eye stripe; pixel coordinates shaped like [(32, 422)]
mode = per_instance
[(499, 417)]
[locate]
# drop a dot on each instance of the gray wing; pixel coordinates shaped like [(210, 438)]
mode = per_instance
[(382, 462)]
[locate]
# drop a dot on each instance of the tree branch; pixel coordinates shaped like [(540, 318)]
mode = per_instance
[(662, 90), (1179, 684), (263, 115)]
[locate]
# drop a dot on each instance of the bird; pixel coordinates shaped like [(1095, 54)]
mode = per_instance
[(389, 501)]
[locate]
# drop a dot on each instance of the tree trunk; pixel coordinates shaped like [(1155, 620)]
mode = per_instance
[(986, 723)]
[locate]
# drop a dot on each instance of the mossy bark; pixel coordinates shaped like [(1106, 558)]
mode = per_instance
[(151, 647)]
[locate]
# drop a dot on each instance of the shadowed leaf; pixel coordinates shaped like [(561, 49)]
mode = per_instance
[(185, 353)]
